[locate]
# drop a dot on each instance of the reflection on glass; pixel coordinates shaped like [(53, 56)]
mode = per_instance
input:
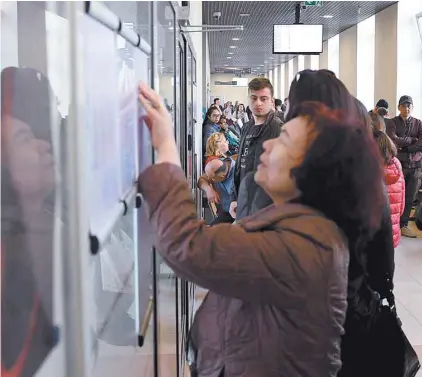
[(30, 209)]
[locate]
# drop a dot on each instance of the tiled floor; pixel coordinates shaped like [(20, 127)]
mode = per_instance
[(408, 290)]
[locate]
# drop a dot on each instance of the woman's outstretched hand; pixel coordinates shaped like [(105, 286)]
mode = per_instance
[(159, 123)]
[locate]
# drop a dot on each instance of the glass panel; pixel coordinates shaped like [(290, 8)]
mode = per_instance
[(34, 106), (189, 91), (167, 325), (366, 62)]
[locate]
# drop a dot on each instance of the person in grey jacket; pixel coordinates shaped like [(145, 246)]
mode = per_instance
[(277, 279)]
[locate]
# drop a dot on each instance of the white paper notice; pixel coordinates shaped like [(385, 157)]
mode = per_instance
[(127, 91), (145, 147), (101, 109)]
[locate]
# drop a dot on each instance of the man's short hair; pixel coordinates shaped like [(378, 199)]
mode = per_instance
[(259, 83), (216, 99), (277, 102)]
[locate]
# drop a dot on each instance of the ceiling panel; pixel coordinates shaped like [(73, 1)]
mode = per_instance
[(254, 49)]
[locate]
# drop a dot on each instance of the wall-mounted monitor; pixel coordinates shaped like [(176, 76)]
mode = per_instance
[(297, 39)]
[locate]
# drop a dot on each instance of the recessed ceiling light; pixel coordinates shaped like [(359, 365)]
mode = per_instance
[(229, 57), (271, 58), (261, 65), (327, 16), (231, 53), (226, 65), (232, 46), (244, 14), (235, 39)]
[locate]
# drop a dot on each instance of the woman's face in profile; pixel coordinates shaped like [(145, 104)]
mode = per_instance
[(280, 156)]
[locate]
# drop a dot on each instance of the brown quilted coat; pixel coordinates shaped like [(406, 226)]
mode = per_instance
[(277, 282)]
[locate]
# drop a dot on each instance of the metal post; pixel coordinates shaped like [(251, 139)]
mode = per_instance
[(76, 254)]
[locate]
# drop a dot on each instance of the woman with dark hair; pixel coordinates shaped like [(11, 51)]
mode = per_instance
[(372, 250), (210, 125), (277, 280), (322, 86)]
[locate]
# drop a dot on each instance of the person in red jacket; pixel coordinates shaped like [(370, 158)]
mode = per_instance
[(394, 179)]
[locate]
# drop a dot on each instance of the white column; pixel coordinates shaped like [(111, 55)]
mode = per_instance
[(323, 58), (308, 62), (286, 78), (409, 54), (348, 50), (366, 62), (295, 67), (386, 51), (333, 54), (281, 86), (300, 63), (315, 62), (275, 82)]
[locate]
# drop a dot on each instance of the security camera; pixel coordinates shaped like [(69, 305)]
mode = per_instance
[(216, 15)]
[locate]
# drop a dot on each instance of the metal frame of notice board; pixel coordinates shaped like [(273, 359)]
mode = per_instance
[(79, 240)]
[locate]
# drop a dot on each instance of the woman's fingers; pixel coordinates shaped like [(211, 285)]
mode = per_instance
[(149, 94)]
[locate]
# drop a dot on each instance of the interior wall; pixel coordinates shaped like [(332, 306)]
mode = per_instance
[(409, 54), (348, 49), (230, 93), (386, 56)]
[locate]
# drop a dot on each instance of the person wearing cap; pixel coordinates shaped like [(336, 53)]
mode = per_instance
[(382, 103), (406, 133)]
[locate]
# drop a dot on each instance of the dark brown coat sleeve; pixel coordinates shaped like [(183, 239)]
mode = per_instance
[(262, 266)]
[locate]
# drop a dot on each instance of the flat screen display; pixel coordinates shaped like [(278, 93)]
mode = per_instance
[(297, 39)]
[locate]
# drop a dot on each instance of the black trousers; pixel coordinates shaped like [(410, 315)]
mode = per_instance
[(411, 180)]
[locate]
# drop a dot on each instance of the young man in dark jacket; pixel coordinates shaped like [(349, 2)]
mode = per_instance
[(263, 126), (406, 133)]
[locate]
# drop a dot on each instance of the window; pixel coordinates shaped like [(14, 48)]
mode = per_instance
[(333, 54), (366, 62)]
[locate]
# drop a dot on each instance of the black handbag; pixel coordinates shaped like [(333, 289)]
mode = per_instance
[(380, 348)]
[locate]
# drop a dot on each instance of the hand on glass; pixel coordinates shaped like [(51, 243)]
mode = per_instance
[(159, 123)]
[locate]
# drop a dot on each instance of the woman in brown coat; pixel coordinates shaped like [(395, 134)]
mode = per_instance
[(278, 279)]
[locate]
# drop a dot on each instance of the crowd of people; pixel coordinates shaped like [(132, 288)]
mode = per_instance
[(401, 164), (312, 198)]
